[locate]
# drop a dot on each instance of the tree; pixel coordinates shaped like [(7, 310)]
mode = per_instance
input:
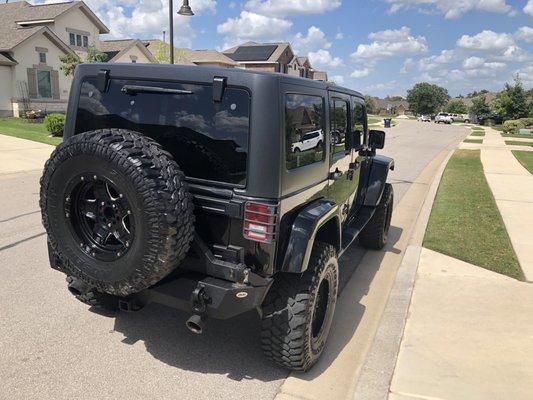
[(426, 98), (479, 106), (71, 60), (370, 104), (456, 106), (512, 101)]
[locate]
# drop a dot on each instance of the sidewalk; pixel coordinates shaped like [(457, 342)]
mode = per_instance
[(468, 335), (468, 330), (20, 155)]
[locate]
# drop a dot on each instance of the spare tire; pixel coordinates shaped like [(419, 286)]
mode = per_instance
[(116, 209)]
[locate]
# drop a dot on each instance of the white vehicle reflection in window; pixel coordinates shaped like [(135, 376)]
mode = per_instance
[(309, 141)]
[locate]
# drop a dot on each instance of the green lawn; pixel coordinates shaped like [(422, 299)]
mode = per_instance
[(516, 136), (20, 128), (473, 141), (465, 222), (525, 158), (374, 120), (518, 143), (478, 133)]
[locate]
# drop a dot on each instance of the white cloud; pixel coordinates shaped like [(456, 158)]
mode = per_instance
[(451, 8), (338, 79), (437, 61), (486, 41), (391, 43), (381, 88), (473, 62), (324, 59), (284, 8), (528, 9), (408, 65), (314, 40), (252, 26), (339, 36), (525, 34), (360, 73)]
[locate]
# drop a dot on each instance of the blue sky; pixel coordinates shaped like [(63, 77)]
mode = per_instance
[(380, 47)]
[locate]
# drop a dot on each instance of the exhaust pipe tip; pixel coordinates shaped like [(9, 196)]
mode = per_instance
[(196, 324)]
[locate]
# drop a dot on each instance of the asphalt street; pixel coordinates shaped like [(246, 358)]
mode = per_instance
[(54, 347)]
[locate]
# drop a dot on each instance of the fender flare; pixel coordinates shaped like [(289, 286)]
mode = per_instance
[(303, 232), (377, 177)]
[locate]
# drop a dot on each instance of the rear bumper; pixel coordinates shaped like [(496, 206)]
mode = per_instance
[(194, 292)]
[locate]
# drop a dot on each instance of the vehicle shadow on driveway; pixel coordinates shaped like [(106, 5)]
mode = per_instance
[(232, 347)]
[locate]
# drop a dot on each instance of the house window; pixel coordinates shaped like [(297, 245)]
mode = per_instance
[(85, 41), (42, 58), (44, 84), (78, 40), (72, 38)]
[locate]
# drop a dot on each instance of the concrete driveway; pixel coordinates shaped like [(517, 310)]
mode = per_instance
[(56, 347)]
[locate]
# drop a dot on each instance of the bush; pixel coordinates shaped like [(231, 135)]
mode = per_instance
[(514, 125), (54, 124)]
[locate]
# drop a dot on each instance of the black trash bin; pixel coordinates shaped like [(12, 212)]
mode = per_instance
[(387, 122)]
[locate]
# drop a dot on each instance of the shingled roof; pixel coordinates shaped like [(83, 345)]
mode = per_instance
[(114, 48), (20, 19)]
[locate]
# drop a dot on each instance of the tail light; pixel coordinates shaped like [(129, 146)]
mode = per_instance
[(259, 222)]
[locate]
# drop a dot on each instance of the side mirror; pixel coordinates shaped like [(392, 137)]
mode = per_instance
[(376, 139), (353, 140)]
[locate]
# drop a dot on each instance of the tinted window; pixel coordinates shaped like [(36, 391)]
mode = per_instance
[(339, 125), (208, 140), (359, 121), (304, 115)]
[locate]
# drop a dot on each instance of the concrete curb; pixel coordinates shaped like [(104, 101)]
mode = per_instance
[(376, 374)]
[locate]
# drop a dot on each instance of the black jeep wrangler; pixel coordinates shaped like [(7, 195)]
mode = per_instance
[(183, 186)]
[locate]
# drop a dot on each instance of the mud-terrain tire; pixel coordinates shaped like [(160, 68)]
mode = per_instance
[(375, 234), (143, 197), (298, 311)]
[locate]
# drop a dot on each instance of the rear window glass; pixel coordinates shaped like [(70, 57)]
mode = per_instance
[(208, 139)]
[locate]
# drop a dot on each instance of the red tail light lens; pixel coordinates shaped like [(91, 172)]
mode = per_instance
[(259, 222)]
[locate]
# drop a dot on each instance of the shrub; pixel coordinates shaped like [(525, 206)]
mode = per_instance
[(527, 122), (54, 124), (514, 125)]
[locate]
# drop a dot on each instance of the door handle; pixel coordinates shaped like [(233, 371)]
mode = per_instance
[(335, 175)]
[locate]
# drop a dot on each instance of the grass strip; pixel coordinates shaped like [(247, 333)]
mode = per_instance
[(477, 128), (473, 141), (518, 143), (525, 158), (20, 128), (478, 133), (465, 222), (516, 136)]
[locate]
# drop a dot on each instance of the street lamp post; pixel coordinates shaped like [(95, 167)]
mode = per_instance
[(184, 10)]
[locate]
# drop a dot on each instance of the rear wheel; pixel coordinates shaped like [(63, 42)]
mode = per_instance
[(376, 233), (116, 209), (298, 311)]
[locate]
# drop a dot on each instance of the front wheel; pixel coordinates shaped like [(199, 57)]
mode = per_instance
[(298, 311)]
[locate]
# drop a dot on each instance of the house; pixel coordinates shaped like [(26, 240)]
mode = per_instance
[(126, 51), (299, 66), (392, 106), (32, 38), (267, 57), (208, 58)]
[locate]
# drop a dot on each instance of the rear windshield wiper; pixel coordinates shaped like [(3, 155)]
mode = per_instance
[(134, 89)]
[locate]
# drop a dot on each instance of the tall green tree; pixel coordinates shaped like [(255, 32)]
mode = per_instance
[(512, 101), (480, 106), (370, 104), (71, 60), (426, 98), (457, 106)]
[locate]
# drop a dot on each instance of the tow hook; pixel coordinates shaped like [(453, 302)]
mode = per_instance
[(76, 286), (199, 301)]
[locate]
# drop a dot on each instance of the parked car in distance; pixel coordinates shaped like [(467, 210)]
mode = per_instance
[(443, 118), (309, 141), (424, 118), (460, 118)]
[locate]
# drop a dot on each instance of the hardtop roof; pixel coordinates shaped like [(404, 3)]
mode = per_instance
[(204, 74)]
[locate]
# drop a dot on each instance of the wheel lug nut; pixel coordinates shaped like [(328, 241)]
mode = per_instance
[(120, 195), (67, 199), (102, 203), (109, 225), (82, 178), (94, 177), (93, 254), (127, 244), (129, 212), (119, 254)]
